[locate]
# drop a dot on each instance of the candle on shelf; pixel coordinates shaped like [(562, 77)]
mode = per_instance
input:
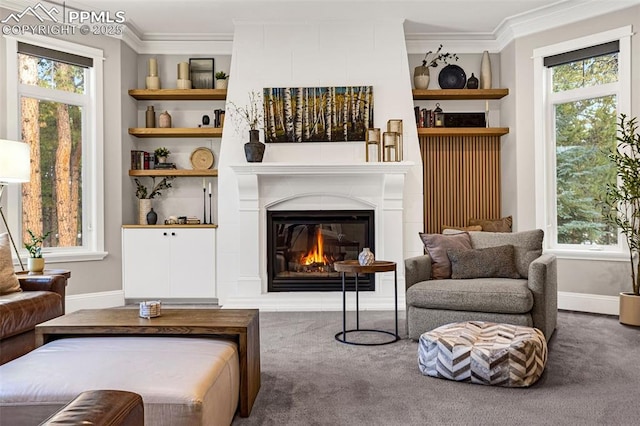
[(203, 185), (209, 188)]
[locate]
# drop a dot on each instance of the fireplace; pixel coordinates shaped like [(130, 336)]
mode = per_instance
[(303, 245)]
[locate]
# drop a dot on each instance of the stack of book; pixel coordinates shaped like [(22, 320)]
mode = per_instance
[(424, 117), (193, 220), (164, 166), (141, 160)]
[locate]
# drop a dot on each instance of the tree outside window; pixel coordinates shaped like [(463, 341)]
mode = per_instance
[(52, 99), (585, 129)]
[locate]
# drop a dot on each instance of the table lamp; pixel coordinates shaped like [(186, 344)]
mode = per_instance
[(15, 167)]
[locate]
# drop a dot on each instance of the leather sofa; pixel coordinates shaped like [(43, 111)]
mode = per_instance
[(101, 407), (41, 299)]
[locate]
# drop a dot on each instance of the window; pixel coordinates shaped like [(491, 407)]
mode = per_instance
[(59, 115), (582, 86)]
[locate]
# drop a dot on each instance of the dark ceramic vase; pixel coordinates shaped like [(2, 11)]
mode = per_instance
[(152, 217), (472, 82), (254, 149)]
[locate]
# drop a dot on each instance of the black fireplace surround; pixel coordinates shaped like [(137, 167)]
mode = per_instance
[(302, 246)]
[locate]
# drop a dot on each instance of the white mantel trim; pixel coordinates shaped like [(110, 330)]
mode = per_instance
[(284, 169)]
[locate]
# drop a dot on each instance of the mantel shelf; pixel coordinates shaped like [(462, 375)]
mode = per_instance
[(319, 169), (179, 94), (175, 173), (459, 94), (176, 132), (462, 131)]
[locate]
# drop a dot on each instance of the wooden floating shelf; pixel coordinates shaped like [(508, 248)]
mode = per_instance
[(179, 94), (462, 131), (459, 94), (176, 132), (175, 172)]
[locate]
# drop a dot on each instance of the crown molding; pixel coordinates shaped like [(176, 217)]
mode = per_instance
[(554, 16)]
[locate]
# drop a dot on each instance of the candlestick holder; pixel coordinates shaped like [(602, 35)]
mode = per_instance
[(210, 220), (204, 206)]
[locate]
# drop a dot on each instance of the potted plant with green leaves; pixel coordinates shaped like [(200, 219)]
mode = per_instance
[(35, 262), (251, 116), (621, 207), (146, 215), (161, 154), (222, 80)]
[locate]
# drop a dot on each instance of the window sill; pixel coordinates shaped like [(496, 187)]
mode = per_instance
[(70, 257), (597, 255)]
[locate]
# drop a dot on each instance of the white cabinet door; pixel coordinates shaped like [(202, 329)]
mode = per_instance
[(193, 270), (168, 263), (145, 263)]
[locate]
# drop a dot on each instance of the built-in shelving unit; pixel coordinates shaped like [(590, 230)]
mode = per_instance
[(450, 171), (178, 94), (176, 132), (175, 173)]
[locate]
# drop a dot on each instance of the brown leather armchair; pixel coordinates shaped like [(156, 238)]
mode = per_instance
[(41, 299)]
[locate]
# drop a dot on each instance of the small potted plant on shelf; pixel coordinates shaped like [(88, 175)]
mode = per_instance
[(250, 115), (35, 262), (146, 215), (621, 208), (421, 74), (161, 154), (222, 80)]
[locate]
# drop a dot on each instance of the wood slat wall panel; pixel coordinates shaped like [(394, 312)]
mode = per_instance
[(461, 179)]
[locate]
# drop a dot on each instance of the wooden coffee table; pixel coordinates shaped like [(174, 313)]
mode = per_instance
[(239, 325)]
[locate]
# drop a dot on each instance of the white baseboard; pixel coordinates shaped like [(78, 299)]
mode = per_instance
[(594, 303), (105, 299)]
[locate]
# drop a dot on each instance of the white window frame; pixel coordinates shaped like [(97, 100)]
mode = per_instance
[(545, 168), (92, 146)]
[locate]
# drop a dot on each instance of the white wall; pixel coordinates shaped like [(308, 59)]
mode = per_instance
[(312, 54)]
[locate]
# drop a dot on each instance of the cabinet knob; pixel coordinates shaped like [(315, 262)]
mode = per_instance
[(173, 234), (164, 233)]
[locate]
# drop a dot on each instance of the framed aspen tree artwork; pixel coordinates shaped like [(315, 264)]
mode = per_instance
[(317, 114)]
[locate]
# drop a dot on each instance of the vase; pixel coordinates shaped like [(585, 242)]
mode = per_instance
[(366, 257), (35, 264), (254, 149), (144, 206), (164, 121), (629, 309), (421, 77), (472, 82), (485, 71), (221, 83), (150, 117), (152, 217)]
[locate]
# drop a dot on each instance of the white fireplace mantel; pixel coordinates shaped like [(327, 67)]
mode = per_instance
[(322, 169), (297, 186)]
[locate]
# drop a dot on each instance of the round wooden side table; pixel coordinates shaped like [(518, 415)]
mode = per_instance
[(354, 267)]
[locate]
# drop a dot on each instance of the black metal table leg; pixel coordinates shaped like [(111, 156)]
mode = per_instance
[(344, 311), (357, 305)]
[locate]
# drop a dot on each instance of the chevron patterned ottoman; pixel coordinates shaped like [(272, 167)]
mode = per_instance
[(484, 352)]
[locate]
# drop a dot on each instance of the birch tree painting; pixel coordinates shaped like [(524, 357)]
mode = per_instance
[(318, 114)]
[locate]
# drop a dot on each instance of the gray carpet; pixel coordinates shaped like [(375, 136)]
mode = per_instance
[(592, 378)]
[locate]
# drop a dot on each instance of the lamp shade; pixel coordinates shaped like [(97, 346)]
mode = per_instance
[(14, 161)]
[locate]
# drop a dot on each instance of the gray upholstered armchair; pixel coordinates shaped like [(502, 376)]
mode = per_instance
[(530, 300)]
